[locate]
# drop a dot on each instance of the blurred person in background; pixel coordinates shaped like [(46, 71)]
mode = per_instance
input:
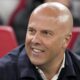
[(76, 12)]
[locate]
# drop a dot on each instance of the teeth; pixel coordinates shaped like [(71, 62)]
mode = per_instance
[(37, 50)]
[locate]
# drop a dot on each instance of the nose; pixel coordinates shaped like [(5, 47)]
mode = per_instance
[(36, 39)]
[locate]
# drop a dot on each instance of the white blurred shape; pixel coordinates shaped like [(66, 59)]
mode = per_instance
[(7, 7)]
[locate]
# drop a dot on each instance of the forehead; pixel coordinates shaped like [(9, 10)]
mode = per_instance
[(42, 20), (44, 23)]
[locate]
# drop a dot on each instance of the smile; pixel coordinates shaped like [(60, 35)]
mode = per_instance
[(37, 50)]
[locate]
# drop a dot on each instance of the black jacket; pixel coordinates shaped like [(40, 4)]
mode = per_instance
[(17, 66)]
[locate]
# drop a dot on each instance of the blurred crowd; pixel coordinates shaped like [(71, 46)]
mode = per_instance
[(15, 13)]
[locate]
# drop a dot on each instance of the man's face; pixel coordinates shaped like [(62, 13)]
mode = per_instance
[(44, 40)]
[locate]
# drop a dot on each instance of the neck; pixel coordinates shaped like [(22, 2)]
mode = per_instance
[(52, 68)]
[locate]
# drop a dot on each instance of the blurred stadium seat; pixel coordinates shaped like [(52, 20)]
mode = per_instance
[(74, 39), (7, 40)]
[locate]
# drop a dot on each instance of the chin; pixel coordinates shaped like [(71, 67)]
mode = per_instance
[(37, 62)]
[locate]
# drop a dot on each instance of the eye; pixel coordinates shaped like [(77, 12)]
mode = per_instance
[(47, 33), (31, 31)]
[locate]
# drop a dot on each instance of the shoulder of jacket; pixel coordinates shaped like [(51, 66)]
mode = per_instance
[(11, 57), (76, 60)]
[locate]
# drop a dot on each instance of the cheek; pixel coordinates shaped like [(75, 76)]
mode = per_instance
[(27, 45), (28, 39), (27, 42), (55, 45)]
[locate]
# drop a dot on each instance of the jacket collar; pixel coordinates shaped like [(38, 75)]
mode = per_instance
[(69, 64), (68, 71), (26, 69)]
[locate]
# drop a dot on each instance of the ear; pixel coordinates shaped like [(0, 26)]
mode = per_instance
[(67, 40)]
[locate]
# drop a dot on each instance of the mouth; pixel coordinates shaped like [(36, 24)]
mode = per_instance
[(37, 51)]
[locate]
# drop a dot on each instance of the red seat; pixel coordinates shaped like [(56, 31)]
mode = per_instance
[(7, 40), (75, 35)]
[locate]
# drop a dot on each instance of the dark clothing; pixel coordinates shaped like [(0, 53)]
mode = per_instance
[(76, 22), (1, 22), (17, 66)]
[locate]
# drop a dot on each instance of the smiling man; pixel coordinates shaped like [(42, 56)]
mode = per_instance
[(45, 55)]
